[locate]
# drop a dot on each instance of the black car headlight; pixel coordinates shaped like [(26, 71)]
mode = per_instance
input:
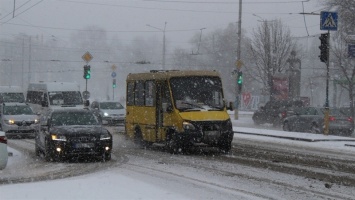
[(58, 137), (10, 121), (105, 136), (188, 126)]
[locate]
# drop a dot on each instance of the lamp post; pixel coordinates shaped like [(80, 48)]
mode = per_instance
[(163, 30)]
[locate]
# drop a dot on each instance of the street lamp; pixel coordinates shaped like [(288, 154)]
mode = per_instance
[(163, 30)]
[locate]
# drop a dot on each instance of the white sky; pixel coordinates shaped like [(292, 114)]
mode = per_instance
[(121, 182), (127, 19)]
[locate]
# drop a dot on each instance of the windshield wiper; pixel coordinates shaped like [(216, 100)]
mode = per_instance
[(192, 107)]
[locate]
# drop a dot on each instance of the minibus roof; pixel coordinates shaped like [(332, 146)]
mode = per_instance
[(167, 74)]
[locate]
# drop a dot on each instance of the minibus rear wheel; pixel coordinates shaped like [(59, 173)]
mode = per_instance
[(138, 137)]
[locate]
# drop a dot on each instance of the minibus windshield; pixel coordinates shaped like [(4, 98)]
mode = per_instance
[(197, 93)]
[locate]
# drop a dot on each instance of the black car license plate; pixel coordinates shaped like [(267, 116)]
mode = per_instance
[(84, 145)]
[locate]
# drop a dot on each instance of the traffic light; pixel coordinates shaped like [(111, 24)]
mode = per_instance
[(114, 83), (240, 80), (87, 72), (324, 47)]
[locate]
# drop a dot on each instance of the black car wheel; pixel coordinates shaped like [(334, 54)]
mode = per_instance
[(315, 129), (37, 150), (256, 120), (106, 157), (47, 152), (225, 146), (286, 127)]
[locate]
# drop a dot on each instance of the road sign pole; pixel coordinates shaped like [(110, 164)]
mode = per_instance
[(329, 22)]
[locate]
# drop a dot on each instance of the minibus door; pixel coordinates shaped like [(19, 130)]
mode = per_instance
[(159, 112), (163, 115)]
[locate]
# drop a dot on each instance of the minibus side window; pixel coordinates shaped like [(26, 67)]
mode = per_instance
[(130, 94), (149, 93), (139, 93)]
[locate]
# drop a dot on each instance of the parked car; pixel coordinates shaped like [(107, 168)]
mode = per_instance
[(111, 111), (3, 150), (18, 119), (67, 133), (275, 111), (311, 119)]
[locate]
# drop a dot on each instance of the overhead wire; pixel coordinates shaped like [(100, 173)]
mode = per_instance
[(22, 12)]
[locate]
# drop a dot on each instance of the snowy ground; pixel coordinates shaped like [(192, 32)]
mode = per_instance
[(121, 183)]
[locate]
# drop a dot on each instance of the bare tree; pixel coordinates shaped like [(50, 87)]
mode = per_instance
[(216, 50), (270, 47)]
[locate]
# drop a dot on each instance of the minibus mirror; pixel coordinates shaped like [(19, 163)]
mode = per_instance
[(166, 107), (230, 106), (169, 109)]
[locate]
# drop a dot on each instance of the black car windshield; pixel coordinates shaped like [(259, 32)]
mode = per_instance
[(73, 118), (18, 110), (65, 98), (110, 105), (197, 92)]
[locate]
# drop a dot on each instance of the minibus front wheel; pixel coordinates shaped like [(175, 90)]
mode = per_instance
[(172, 143)]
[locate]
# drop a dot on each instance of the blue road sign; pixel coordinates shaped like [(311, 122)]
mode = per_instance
[(351, 50), (113, 74), (328, 21)]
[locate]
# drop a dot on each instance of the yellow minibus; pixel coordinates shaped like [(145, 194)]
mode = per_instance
[(178, 110)]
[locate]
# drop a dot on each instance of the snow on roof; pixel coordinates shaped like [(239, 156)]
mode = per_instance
[(11, 89), (54, 86)]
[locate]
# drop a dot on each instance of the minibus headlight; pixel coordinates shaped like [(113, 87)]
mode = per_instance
[(105, 114), (188, 126)]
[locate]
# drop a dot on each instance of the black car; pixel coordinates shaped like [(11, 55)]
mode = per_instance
[(67, 133), (311, 119), (275, 111)]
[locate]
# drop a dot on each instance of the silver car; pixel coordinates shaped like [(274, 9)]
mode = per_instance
[(111, 111), (18, 119), (3, 150)]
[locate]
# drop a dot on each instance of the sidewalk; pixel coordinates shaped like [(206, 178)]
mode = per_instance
[(246, 129)]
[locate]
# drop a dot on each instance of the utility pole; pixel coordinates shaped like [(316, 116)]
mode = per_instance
[(238, 63), (164, 46)]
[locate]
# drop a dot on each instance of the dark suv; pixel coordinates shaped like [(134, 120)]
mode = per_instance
[(275, 111)]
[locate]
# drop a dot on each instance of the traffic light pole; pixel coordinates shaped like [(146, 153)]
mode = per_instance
[(239, 63), (326, 113)]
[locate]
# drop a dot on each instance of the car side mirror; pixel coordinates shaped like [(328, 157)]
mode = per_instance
[(167, 108), (86, 103), (44, 103)]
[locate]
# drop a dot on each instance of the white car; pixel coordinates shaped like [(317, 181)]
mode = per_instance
[(3, 150), (18, 119), (111, 111)]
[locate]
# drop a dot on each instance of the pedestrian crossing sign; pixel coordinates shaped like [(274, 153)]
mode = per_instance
[(328, 21)]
